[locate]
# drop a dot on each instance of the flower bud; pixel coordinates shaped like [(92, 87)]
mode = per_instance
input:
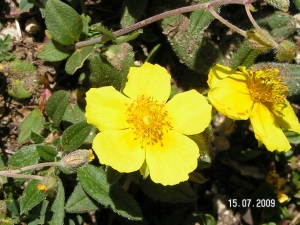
[(48, 185), (282, 5), (286, 51), (259, 42), (78, 158)]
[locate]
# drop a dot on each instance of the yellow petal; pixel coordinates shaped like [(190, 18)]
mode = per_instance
[(119, 149), (218, 73), (286, 117), (148, 80), (266, 130), (171, 162), (106, 108), (233, 104), (190, 112)]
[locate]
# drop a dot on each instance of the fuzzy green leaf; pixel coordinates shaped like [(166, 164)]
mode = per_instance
[(132, 10), (63, 22), (244, 56), (93, 181), (190, 45), (18, 90), (23, 66), (57, 207), (103, 74), (74, 114), (53, 52), (75, 135), (47, 152), (25, 156), (80, 202), (31, 196), (56, 106), (77, 59), (33, 122), (200, 19), (181, 192), (37, 138)]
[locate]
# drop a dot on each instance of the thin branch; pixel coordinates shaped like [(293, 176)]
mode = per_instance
[(26, 176), (160, 16), (258, 28), (36, 166), (226, 22)]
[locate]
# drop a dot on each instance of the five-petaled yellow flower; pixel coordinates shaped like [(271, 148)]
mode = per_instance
[(259, 95), (142, 130)]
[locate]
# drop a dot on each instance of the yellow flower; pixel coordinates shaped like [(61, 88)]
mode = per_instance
[(259, 95), (142, 131)]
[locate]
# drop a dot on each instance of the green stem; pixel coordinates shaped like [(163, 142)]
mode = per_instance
[(160, 16)]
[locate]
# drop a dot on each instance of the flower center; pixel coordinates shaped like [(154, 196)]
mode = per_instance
[(266, 86), (149, 120)]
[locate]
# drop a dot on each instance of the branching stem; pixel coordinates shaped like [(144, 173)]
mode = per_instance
[(258, 29), (160, 16), (15, 173), (227, 23)]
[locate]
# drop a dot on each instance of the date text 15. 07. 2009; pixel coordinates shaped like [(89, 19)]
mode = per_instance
[(252, 203)]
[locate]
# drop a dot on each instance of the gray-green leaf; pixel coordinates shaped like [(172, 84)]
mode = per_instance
[(93, 181)]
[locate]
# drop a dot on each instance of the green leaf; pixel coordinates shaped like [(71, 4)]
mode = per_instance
[(292, 136), (57, 207), (25, 4), (77, 59), (74, 114), (80, 202), (33, 122), (93, 181), (103, 74), (126, 38), (121, 57), (18, 90), (132, 10), (244, 56), (63, 22), (53, 52), (181, 192), (48, 153), (200, 19), (85, 20), (37, 138), (190, 45), (31, 196), (56, 106), (75, 135), (13, 206), (108, 35), (25, 156), (23, 66)]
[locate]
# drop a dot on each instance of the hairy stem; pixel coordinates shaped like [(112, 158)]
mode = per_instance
[(36, 166), (228, 24), (26, 176), (161, 16), (259, 30)]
